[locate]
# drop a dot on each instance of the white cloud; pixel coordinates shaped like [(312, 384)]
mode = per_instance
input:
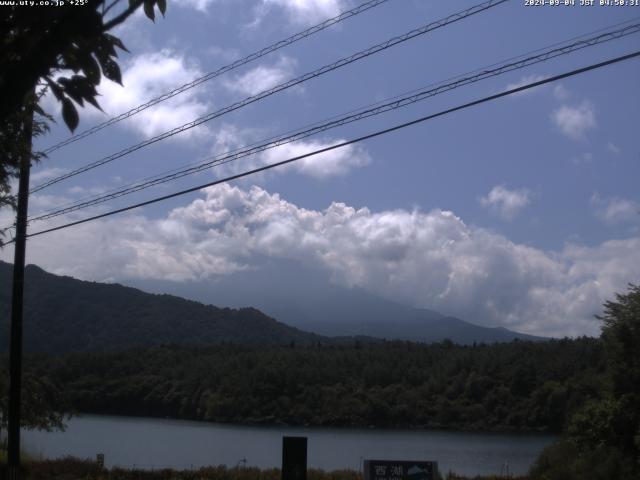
[(430, 259), (506, 203), (77, 190), (44, 174), (337, 162), (144, 77), (223, 54), (561, 92), (616, 210), (613, 148), (303, 12), (199, 5), (41, 202), (525, 81), (262, 77), (328, 164), (583, 159), (574, 122)]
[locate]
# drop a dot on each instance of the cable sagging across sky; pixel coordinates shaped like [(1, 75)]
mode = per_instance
[(216, 73), (414, 97), (278, 88), (348, 142)]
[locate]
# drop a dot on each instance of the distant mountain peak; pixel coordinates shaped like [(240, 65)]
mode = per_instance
[(66, 314), (306, 299)]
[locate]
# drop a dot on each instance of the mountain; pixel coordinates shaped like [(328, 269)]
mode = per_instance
[(64, 314), (307, 299)]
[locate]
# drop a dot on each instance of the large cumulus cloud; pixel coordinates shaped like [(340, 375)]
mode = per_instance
[(428, 259)]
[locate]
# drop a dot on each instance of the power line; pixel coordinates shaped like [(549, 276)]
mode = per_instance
[(348, 142), (123, 189), (399, 96), (397, 102), (216, 73), (283, 86), (282, 139)]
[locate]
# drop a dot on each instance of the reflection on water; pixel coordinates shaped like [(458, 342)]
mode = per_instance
[(155, 443)]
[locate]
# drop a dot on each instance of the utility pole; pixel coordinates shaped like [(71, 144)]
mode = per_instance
[(15, 346)]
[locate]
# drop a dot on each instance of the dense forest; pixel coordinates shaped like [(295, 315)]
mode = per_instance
[(515, 386)]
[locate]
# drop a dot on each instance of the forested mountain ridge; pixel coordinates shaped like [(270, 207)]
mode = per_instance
[(519, 386), (63, 314)]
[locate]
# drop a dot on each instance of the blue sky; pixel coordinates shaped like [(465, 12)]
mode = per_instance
[(523, 212)]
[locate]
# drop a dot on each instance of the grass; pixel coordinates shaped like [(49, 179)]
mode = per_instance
[(25, 456), (71, 468)]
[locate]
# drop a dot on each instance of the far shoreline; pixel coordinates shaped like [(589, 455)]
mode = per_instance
[(278, 425)]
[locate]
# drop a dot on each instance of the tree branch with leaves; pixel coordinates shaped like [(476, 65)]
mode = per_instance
[(67, 49)]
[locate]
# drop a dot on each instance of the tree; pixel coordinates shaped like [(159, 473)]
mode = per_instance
[(604, 435), (14, 146), (43, 405), (621, 336), (65, 48)]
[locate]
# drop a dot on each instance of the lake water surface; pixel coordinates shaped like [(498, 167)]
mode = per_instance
[(155, 443)]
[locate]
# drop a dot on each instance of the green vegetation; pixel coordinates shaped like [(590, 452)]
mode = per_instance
[(43, 50), (587, 388), (602, 439), (517, 386), (70, 468), (43, 404)]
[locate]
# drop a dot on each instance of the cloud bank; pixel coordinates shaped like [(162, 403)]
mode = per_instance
[(427, 259)]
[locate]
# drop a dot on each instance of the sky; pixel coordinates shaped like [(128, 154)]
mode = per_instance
[(523, 212)]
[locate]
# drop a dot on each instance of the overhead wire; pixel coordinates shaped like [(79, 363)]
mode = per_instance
[(283, 86), (356, 115), (216, 73), (348, 142)]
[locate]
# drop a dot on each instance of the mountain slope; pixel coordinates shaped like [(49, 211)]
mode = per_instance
[(64, 314), (306, 299)]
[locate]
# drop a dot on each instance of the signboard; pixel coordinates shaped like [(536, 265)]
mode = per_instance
[(294, 458), (399, 470)]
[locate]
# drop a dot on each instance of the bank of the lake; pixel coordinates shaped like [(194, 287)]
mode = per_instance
[(157, 443), (70, 468)]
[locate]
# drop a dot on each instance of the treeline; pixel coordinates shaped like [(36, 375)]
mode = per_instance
[(515, 386)]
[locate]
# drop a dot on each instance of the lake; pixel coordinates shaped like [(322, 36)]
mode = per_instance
[(156, 443)]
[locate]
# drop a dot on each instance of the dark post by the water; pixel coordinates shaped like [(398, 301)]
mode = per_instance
[(294, 458), (15, 346)]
